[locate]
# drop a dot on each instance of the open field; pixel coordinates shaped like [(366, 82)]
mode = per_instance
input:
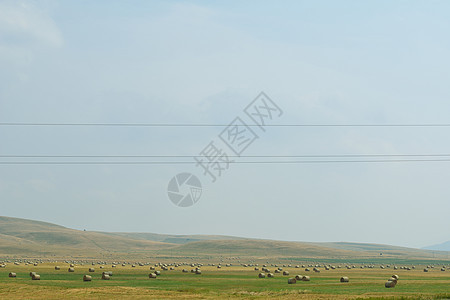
[(26, 242), (235, 281)]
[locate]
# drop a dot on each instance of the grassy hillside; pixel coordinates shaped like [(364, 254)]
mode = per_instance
[(26, 237), (19, 237), (175, 239)]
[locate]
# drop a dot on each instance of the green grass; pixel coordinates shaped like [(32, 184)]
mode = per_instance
[(229, 282)]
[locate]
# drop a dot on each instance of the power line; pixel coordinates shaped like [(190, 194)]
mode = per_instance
[(218, 125), (233, 156), (230, 162)]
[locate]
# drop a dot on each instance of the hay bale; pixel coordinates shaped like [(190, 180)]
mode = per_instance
[(152, 275), (105, 277), (36, 277), (32, 273), (270, 275), (185, 271), (158, 273), (390, 284), (286, 273), (307, 270), (57, 268), (87, 278), (198, 271), (306, 278), (262, 275), (91, 270), (12, 275), (292, 280), (71, 270), (298, 277), (345, 279), (425, 270), (395, 276), (71, 265)]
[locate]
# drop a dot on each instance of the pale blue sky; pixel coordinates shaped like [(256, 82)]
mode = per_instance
[(203, 62)]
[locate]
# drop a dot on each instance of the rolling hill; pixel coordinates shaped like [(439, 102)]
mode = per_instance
[(27, 238)]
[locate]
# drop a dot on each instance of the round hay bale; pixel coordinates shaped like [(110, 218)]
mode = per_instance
[(12, 275), (71, 270), (286, 273), (91, 270), (198, 271), (307, 270), (425, 270), (270, 275), (57, 268), (345, 279), (298, 277), (32, 273), (106, 277), (158, 273), (292, 280), (262, 275), (306, 278), (152, 275), (185, 271), (36, 277), (71, 265), (390, 284), (395, 276), (87, 278), (393, 279)]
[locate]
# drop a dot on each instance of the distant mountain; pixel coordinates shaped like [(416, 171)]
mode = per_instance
[(439, 247)]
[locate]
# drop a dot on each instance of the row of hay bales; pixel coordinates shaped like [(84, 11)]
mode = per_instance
[(307, 278), (298, 278), (35, 276)]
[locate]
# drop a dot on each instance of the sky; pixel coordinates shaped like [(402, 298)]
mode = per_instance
[(204, 62)]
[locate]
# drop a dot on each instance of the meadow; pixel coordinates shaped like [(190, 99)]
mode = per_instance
[(235, 281)]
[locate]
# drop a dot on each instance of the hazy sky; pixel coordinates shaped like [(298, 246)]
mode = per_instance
[(322, 62)]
